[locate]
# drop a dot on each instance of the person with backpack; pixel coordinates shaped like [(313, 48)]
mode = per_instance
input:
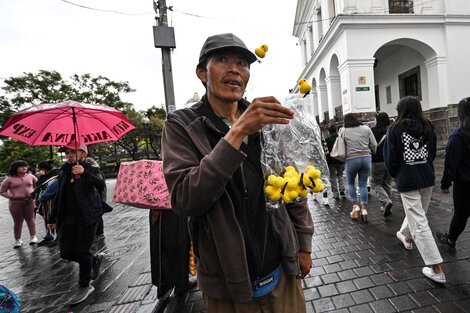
[(381, 181), (457, 171), (335, 167), (47, 172), (409, 152)]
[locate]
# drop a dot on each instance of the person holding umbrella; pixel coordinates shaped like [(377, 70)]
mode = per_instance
[(76, 211)]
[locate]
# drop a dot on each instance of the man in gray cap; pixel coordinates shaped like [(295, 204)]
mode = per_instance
[(248, 258)]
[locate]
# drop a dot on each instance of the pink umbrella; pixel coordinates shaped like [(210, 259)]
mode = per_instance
[(56, 124)]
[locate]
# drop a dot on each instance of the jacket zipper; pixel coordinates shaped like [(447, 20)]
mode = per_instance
[(248, 231)]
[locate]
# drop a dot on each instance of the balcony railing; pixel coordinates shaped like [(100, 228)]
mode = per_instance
[(400, 6)]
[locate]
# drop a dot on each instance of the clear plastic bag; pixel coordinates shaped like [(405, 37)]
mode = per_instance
[(297, 144)]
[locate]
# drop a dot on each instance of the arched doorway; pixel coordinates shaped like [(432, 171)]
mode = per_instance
[(407, 67)]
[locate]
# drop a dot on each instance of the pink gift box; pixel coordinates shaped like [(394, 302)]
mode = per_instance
[(141, 184)]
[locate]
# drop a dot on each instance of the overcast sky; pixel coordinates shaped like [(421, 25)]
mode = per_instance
[(57, 35)]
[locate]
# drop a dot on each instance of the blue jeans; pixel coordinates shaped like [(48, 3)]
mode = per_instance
[(361, 166)]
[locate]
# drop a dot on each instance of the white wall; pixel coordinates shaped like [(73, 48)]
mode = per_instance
[(386, 74), (457, 7), (458, 62)]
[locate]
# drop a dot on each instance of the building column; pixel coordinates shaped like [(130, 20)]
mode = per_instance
[(437, 81), (314, 97), (322, 101), (357, 82), (334, 94)]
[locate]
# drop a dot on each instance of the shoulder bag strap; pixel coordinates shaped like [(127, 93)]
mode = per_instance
[(381, 140)]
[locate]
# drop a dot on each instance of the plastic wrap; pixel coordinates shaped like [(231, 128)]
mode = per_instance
[(297, 144)]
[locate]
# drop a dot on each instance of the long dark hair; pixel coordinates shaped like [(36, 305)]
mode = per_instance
[(463, 111), (409, 108), (351, 120), (12, 171), (382, 121), (46, 165)]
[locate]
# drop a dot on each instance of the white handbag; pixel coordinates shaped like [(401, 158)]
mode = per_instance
[(339, 148)]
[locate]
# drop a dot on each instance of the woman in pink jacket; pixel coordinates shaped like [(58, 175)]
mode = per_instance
[(17, 187)]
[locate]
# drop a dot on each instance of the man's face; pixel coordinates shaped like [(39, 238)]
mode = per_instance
[(72, 157), (226, 76)]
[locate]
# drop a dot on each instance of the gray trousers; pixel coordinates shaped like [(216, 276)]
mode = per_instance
[(336, 178), (415, 224), (381, 182)]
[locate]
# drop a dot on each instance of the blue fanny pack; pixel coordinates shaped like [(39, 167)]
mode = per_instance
[(266, 284)]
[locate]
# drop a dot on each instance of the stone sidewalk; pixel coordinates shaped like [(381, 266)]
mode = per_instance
[(358, 267), (45, 282), (363, 268)]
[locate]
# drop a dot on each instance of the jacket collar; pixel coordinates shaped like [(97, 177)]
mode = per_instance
[(203, 108)]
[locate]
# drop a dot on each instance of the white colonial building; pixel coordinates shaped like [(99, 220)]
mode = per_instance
[(362, 56)]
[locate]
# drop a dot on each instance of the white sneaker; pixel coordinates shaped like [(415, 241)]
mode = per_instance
[(402, 238), (325, 201), (18, 243), (82, 294), (438, 278), (33, 240)]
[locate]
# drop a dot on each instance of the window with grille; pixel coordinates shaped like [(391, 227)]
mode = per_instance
[(410, 83), (400, 6)]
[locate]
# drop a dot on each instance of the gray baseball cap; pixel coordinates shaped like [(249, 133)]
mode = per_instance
[(228, 42)]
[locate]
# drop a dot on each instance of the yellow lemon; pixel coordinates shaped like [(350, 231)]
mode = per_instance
[(276, 195), (290, 168), (278, 182), (303, 193), (292, 182), (269, 190), (286, 198), (316, 174), (271, 179), (293, 194), (306, 181)]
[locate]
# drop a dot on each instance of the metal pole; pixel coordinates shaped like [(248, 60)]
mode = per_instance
[(146, 140), (166, 63)]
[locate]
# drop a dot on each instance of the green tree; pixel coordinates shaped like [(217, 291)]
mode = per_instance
[(50, 87), (5, 110), (12, 150), (157, 118), (30, 88)]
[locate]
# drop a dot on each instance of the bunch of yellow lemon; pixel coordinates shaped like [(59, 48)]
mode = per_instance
[(292, 185)]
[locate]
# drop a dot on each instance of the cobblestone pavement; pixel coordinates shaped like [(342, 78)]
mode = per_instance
[(45, 282), (358, 267), (363, 268)]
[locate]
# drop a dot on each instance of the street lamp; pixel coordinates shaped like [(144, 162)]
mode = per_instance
[(146, 121)]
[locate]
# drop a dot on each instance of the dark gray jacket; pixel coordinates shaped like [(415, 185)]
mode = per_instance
[(197, 176), (87, 190)]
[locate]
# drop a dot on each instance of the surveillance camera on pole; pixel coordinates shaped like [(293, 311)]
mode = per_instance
[(164, 38)]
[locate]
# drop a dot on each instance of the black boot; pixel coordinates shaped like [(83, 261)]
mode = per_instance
[(192, 282), (163, 297)]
